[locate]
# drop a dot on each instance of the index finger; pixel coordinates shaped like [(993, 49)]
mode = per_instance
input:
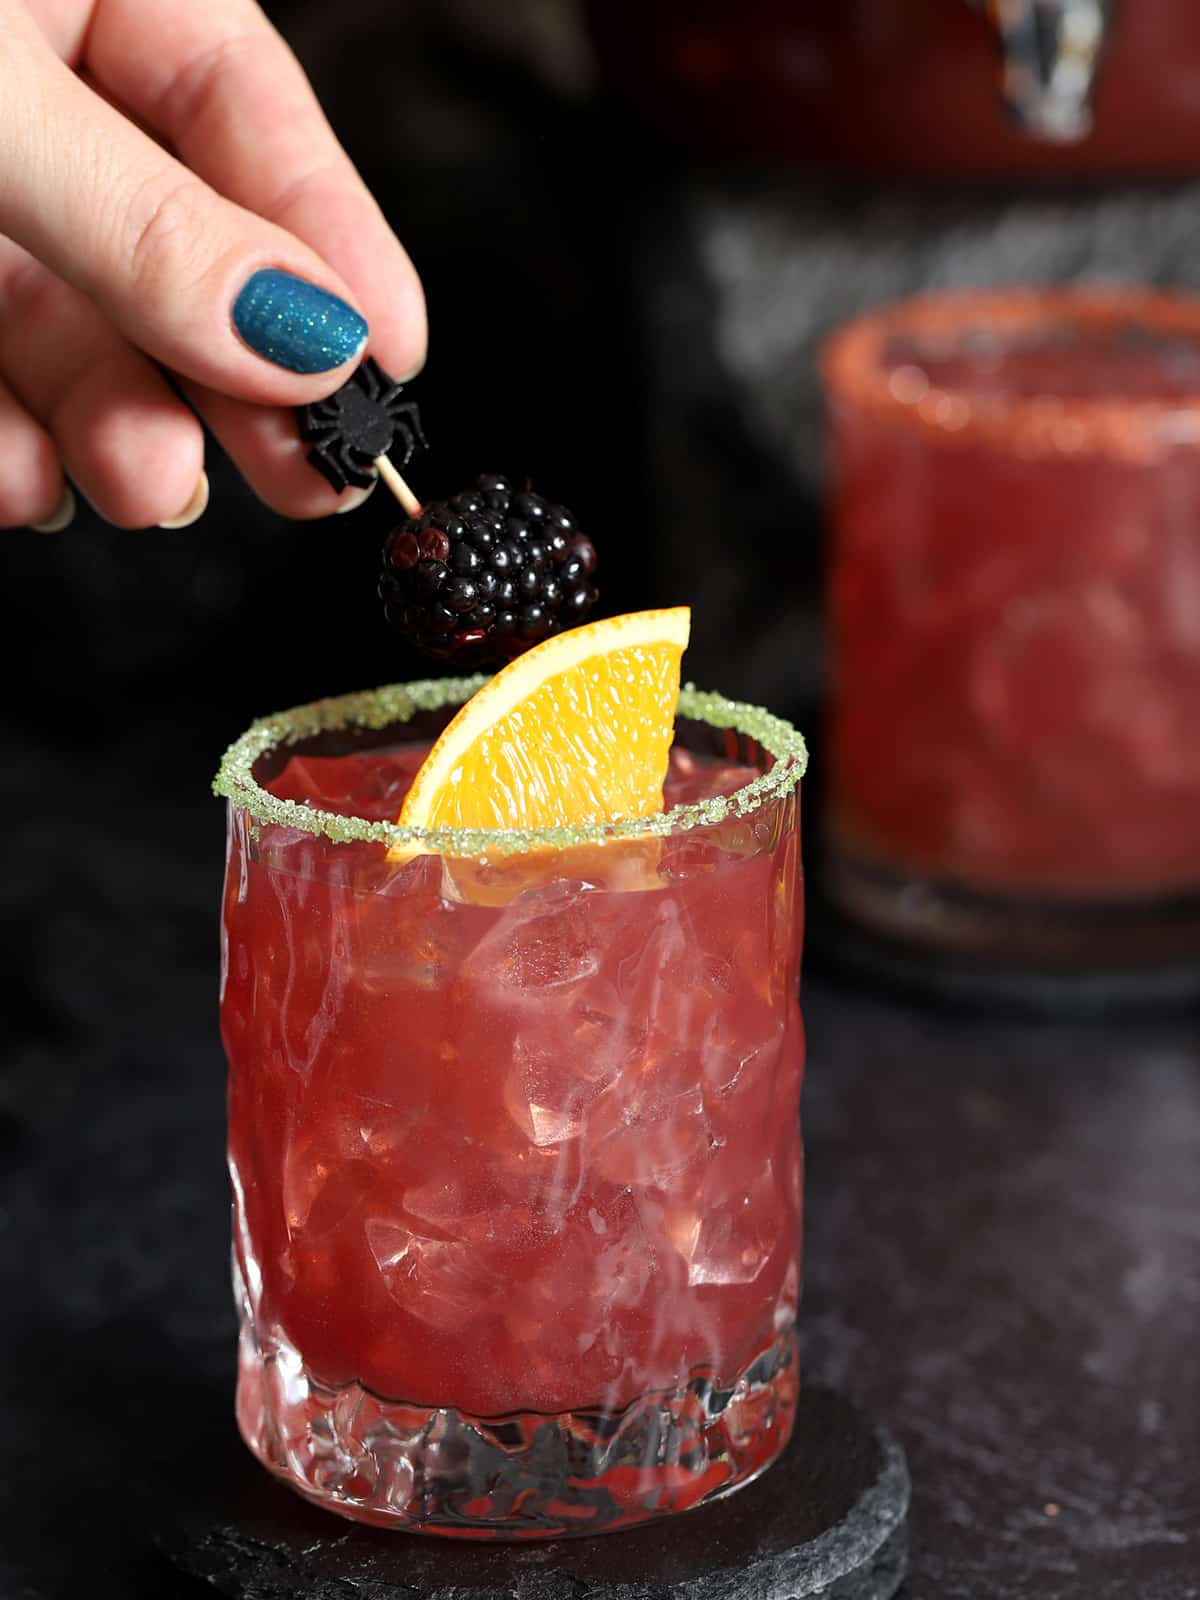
[(224, 88)]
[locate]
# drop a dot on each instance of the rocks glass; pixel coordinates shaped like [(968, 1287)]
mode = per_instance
[(512, 1129), (1015, 616)]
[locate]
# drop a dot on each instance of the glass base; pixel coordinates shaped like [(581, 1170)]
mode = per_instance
[(1061, 933), (1017, 957), (523, 1476)]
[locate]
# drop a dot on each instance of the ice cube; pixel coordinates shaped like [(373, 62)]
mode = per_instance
[(320, 1186), (542, 988), (441, 1282), (441, 1203), (736, 1238), (369, 783), (648, 1137), (558, 1070), (387, 1123), (691, 778), (622, 1273), (543, 941), (411, 936)]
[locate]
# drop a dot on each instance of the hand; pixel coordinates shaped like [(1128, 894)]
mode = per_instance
[(216, 262)]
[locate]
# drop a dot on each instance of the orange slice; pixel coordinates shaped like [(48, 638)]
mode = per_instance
[(576, 730)]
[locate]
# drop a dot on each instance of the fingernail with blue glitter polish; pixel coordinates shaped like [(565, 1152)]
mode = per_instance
[(291, 322)]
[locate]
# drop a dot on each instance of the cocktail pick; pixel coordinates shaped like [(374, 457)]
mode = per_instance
[(354, 429)]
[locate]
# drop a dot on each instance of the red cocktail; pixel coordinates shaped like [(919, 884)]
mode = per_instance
[(1015, 608), (513, 1133)]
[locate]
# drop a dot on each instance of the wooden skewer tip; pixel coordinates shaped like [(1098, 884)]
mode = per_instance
[(397, 485)]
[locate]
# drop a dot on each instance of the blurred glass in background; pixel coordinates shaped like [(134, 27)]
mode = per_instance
[(1015, 623)]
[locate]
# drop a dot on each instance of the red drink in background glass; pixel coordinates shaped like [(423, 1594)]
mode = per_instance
[(910, 88), (514, 1146), (1015, 613)]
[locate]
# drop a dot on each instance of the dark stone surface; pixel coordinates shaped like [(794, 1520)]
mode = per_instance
[(826, 1522), (1003, 1234)]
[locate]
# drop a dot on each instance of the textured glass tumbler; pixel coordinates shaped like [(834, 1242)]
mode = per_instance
[(513, 1130), (1015, 624)]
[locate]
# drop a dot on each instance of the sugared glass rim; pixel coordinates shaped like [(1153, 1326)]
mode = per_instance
[(856, 368), (394, 704)]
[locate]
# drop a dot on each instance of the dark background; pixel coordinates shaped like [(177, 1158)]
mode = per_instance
[(1003, 1246)]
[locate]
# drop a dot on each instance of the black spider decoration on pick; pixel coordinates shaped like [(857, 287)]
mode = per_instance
[(352, 429)]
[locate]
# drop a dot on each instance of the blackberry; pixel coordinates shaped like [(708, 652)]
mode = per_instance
[(478, 578)]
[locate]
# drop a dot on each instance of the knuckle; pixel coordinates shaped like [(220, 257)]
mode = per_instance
[(196, 89), (139, 472), (30, 477), (325, 179), (165, 234), (19, 509), (27, 293)]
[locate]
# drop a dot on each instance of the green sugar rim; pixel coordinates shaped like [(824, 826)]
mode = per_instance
[(397, 702)]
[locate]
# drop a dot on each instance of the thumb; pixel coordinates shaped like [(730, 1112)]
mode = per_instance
[(209, 289)]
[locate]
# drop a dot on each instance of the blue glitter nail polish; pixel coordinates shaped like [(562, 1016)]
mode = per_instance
[(291, 322)]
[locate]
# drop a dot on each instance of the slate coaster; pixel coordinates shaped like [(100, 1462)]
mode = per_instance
[(826, 1522)]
